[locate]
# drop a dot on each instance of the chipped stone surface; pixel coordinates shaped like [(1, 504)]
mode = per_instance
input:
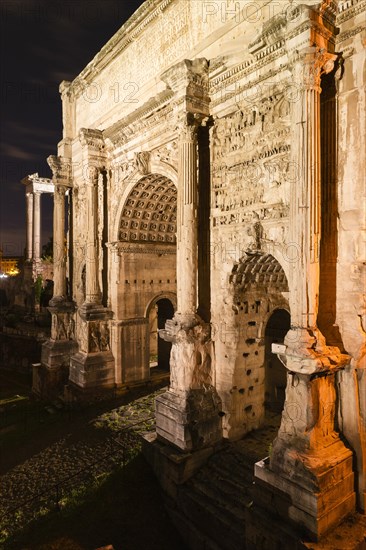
[(225, 175)]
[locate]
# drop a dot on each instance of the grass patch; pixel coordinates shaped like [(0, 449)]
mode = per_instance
[(124, 509)]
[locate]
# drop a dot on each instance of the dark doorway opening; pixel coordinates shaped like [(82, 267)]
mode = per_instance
[(275, 373), (159, 348)]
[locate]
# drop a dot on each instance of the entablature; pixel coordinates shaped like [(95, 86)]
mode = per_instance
[(35, 184)]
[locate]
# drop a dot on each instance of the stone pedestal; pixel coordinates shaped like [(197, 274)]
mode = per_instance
[(320, 501), (308, 480), (189, 418), (93, 366), (52, 374)]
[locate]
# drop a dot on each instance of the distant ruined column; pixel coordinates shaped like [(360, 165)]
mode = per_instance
[(29, 201), (37, 225)]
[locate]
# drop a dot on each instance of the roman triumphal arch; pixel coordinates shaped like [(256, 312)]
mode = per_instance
[(221, 207)]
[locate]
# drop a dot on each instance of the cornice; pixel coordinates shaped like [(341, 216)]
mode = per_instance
[(120, 41), (265, 54), (348, 9), (152, 112), (245, 69), (91, 138), (142, 248)]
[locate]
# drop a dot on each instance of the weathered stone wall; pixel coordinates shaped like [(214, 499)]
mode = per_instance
[(275, 97)]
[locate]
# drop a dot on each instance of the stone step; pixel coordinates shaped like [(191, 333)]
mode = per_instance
[(240, 472), (193, 536), (217, 497), (221, 492), (214, 519)]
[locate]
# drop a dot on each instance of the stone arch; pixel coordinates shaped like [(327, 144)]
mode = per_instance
[(260, 287), (159, 310), (168, 295), (143, 268), (149, 214), (159, 169), (258, 270)]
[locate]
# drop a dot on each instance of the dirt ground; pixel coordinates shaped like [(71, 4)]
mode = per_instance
[(125, 511)]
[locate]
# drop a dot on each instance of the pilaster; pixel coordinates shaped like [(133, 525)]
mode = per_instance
[(93, 366)]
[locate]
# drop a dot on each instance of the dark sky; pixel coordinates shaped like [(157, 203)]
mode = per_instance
[(42, 43)]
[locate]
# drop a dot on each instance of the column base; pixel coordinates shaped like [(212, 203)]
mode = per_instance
[(91, 371), (51, 375), (189, 420), (315, 495)]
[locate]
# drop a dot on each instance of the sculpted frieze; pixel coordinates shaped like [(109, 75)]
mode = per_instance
[(168, 154), (251, 168)]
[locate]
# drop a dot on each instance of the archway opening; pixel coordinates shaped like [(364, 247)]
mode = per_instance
[(146, 274), (275, 373), (159, 349)]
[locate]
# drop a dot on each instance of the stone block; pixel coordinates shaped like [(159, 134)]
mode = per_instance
[(190, 420), (93, 370), (314, 512)]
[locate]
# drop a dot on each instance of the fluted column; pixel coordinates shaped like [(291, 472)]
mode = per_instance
[(187, 218), (37, 225), (29, 200), (305, 214), (59, 252), (93, 294)]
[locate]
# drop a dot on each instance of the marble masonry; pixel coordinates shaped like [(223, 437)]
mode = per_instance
[(213, 163)]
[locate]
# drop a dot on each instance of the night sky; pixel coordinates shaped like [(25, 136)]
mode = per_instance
[(42, 43)]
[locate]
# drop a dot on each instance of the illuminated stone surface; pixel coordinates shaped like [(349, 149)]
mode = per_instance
[(215, 159)]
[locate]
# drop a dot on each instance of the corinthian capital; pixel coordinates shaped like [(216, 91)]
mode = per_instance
[(187, 126), (309, 64), (61, 170), (189, 81)]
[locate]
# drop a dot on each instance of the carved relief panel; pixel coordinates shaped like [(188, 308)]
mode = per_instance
[(251, 169)]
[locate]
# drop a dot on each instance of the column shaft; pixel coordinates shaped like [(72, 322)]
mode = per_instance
[(29, 200), (187, 221), (305, 196), (37, 226), (93, 294)]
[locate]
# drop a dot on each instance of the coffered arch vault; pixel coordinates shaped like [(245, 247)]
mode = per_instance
[(149, 214)]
